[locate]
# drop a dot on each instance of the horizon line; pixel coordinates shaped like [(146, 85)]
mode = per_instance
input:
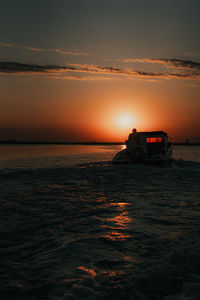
[(19, 142)]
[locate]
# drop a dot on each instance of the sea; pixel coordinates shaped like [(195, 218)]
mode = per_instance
[(75, 226)]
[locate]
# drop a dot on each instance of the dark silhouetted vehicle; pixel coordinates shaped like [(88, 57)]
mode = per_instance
[(146, 147)]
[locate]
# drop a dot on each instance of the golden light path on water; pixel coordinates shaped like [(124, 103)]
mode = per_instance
[(116, 227), (118, 223)]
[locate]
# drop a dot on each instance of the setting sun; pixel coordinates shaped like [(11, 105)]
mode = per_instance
[(125, 121)]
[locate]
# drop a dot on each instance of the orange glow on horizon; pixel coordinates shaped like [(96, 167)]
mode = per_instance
[(93, 113)]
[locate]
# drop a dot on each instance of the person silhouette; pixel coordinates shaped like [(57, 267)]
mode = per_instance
[(132, 141), (133, 137), (134, 146)]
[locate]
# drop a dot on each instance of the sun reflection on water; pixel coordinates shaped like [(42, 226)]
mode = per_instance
[(123, 147), (121, 220), (87, 270), (118, 223), (116, 236)]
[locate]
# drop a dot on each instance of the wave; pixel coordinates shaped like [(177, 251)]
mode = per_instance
[(100, 231)]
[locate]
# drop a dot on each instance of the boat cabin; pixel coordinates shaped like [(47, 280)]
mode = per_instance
[(155, 141), (149, 147)]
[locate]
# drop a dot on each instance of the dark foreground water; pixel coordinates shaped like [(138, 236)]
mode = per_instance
[(96, 230)]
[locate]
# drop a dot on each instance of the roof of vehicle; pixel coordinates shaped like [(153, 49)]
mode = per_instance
[(152, 133)]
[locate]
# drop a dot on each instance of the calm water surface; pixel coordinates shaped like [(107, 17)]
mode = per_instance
[(74, 226), (41, 156)]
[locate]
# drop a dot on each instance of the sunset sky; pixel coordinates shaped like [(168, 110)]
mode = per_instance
[(85, 70)]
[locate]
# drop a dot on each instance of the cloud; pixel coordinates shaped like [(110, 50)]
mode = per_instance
[(34, 49), (192, 84), (168, 62), (19, 68), (68, 52), (85, 78), (6, 45), (21, 46), (193, 53), (14, 68), (127, 72)]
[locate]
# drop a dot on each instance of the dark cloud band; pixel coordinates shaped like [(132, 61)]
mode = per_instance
[(20, 68), (15, 67), (168, 62)]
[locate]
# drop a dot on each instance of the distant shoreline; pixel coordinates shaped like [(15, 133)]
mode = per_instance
[(13, 142)]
